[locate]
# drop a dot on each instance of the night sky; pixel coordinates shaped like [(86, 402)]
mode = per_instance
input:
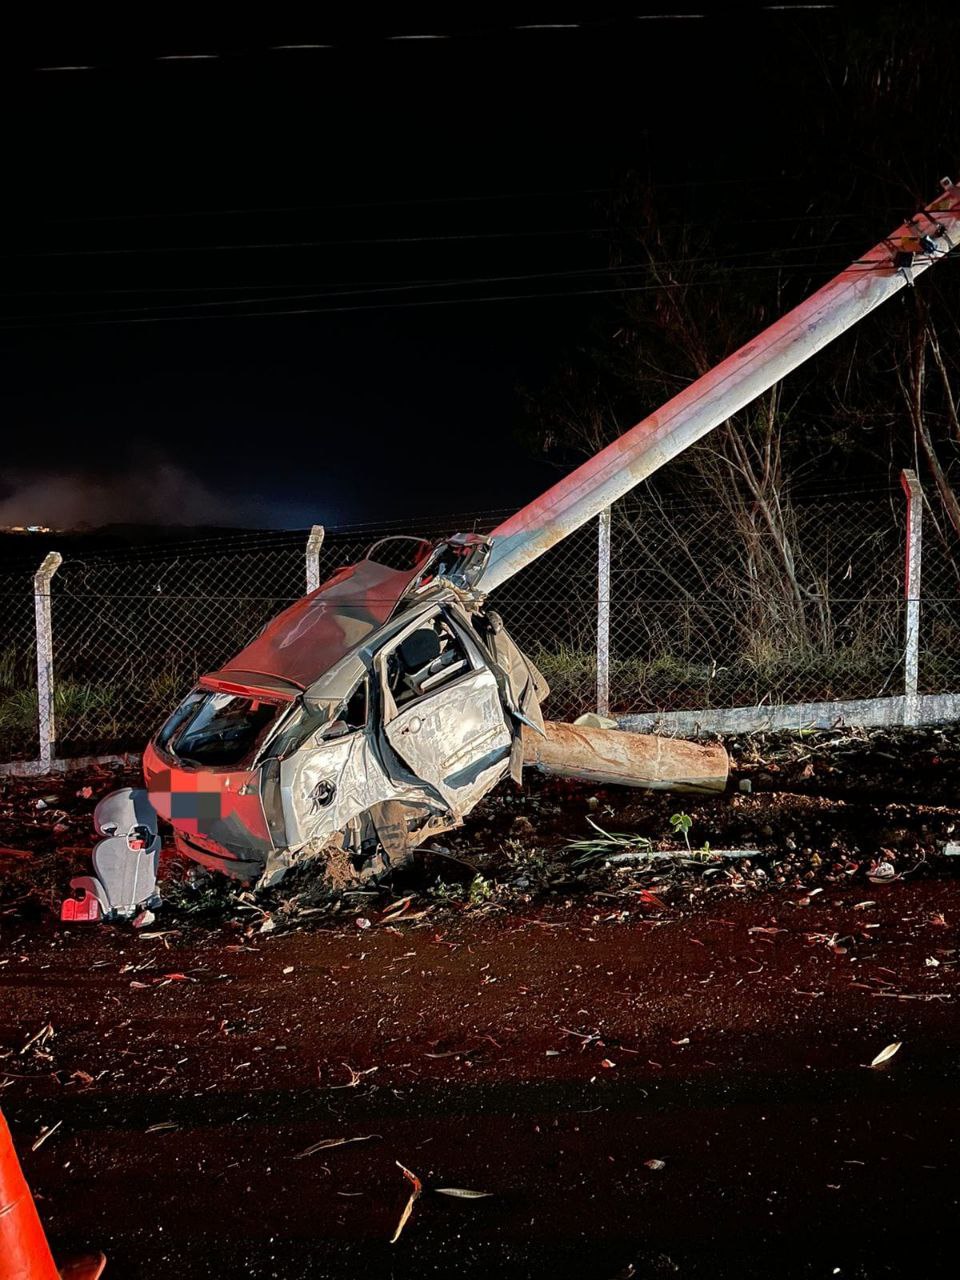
[(211, 263)]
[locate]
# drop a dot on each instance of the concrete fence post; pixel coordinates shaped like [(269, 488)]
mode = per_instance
[(314, 543), (46, 720), (911, 591), (603, 612)]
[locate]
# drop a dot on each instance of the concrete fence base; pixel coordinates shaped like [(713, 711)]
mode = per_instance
[(865, 713), (43, 768)]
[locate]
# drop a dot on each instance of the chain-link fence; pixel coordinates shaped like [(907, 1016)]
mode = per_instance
[(706, 608), (704, 616), (939, 666), (18, 667)]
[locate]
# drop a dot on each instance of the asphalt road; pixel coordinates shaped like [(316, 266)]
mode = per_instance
[(545, 1060)]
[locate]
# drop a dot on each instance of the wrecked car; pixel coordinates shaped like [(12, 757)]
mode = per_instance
[(369, 716), (366, 717)]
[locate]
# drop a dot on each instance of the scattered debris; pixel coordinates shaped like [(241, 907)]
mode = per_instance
[(355, 1077), (882, 873), (325, 1144), (800, 832), (39, 1039)]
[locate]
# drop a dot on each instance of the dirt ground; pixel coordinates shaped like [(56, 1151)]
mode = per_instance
[(651, 1072)]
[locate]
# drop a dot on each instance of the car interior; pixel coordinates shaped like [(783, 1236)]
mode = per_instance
[(427, 659)]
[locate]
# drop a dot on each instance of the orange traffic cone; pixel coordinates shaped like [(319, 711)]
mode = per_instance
[(24, 1252)]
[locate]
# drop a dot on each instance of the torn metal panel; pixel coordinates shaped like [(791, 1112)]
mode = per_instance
[(457, 741), (325, 786)]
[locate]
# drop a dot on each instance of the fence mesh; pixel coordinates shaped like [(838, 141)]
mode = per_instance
[(703, 615), (939, 611), (707, 609), (18, 667)]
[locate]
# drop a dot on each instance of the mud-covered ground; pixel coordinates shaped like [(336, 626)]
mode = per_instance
[(652, 1070)]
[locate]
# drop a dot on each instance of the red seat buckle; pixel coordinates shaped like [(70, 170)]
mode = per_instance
[(85, 909)]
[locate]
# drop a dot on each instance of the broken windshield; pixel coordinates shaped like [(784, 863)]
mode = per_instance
[(224, 729)]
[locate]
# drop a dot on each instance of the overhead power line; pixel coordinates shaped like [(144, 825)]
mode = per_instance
[(114, 317), (489, 198), (200, 58), (301, 244), (346, 287)]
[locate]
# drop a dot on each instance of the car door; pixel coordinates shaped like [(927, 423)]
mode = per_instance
[(454, 736)]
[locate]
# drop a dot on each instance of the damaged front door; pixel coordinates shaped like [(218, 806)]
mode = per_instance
[(442, 712)]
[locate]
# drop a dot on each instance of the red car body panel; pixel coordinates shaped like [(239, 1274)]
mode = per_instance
[(217, 813), (315, 633)]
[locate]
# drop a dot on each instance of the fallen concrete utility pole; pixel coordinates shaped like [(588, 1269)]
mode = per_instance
[(727, 388), (607, 756)]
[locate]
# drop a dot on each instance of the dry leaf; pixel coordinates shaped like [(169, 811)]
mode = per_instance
[(886, 1054), (462, 1193), (408, 1207)]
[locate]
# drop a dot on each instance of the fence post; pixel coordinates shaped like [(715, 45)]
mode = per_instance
[(46, 722), (314, 543), (911, 591), (603, 612)]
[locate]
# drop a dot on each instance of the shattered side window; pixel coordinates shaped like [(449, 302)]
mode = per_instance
[(297, 727), (351, 715), (354, 713), (225, 729)]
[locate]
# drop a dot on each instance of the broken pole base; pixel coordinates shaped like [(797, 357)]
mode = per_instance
[(613, 756)]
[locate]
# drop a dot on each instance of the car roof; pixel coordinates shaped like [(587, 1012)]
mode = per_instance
[(315, 633)]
